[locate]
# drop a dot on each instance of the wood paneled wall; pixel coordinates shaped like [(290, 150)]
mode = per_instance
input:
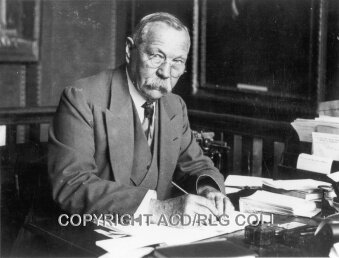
[(77, 39)]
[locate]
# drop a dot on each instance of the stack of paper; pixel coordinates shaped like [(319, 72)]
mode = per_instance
[(314, 163), (234, 183), (302, 188), (296, 184), (263, 201), (304, 128), (323, 124)]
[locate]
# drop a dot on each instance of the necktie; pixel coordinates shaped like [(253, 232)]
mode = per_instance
[(146, 124)]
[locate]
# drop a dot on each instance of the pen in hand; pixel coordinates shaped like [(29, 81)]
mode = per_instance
[(178, 187), (185, 192)]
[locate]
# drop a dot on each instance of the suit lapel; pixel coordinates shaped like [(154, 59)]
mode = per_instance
[(119, 126), (168, 145), (142, 154)]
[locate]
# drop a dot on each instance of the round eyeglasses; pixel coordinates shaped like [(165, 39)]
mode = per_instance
[(177, 67)]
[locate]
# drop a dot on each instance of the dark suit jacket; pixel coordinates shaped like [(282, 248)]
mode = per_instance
[(91, 148)]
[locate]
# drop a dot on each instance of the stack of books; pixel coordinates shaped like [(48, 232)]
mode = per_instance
[(297, 197)]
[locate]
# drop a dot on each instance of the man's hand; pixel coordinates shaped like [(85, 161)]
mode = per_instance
[(221, 201), (210, 203), (189, 204)]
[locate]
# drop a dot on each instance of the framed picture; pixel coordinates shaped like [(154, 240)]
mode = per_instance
[(267, 52), (19, 30)]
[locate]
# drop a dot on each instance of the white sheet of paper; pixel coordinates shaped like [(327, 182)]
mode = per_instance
[(330, 119), (109, 234), (314, 163), (297, 184), (241, 181), (334, 176), (334, 252), (304, 129), (326, 145), (147, 235), (135, 253), (121, 247), (2, 135)]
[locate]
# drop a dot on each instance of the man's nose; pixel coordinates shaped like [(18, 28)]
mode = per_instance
[(164, 70)]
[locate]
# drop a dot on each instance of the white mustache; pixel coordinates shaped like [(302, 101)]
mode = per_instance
[(158, 84)]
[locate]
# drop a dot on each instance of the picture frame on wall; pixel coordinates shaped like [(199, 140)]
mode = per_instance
[(19, 30), (267, 52)]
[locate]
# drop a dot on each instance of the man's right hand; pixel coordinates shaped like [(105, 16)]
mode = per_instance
[(191, 205)]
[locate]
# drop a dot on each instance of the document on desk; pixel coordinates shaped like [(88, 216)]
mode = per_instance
[(134, 253), (328, 119), (305, 127), (314, 163), (237, 182), (2, 135), (296, 184), (152, 234), (326, 145)]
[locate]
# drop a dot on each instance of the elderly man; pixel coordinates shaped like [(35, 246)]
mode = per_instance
[(121, 138)]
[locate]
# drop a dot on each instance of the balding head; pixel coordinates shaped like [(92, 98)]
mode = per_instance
[(145, 23)]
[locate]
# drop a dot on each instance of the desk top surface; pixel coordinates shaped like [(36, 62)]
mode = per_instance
[(80, 240)]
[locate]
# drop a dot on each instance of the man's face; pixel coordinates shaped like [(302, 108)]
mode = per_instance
[(156, 64)]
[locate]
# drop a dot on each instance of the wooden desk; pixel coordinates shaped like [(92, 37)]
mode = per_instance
[(44, 237)]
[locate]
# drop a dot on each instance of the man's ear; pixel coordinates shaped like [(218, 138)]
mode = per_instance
[(129, 46)]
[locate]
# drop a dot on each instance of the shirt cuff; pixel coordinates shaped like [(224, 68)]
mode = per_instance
[(206, 180), (144, 206)]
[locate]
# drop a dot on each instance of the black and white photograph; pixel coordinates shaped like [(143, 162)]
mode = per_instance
[(169, 128)]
